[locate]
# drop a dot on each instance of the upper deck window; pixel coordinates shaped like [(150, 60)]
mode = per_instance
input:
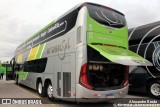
[(106, 16)]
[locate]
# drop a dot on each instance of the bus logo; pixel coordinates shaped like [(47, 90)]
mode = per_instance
[(60, 48)]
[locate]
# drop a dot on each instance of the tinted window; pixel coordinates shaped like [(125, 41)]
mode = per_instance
[(57, 29), (35, 65), (106, 16)]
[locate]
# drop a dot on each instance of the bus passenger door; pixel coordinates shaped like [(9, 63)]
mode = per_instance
[(10, 74)]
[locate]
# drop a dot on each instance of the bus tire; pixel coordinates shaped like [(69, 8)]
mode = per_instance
[(50, 91), (154, 89), (40, 89)]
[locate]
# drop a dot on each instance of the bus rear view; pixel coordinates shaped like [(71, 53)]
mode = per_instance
[(104, 66)]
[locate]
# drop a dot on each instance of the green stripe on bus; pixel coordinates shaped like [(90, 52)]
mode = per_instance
[(40, 51)]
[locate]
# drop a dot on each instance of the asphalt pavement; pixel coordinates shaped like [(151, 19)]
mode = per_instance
[(8, 89)]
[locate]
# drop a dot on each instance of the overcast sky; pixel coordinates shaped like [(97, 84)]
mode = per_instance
[(19, 19)]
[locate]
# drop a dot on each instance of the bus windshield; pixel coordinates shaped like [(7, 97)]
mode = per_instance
[(106, 16)]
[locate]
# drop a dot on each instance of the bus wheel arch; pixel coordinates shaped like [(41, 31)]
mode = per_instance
[(40, 88), (153, 87)]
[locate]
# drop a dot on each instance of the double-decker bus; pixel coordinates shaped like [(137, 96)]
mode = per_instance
[(82, 56)]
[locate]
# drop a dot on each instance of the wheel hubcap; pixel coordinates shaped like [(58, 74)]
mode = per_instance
[(40, 88), (50, 91), (155, 89)]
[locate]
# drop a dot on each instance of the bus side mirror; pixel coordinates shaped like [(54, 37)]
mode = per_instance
[(12, 62)]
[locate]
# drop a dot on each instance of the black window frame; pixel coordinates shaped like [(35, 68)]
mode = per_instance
[(36, 66), (92, 8)]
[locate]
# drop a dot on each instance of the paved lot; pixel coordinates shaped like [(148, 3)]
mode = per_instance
[(8, 89)]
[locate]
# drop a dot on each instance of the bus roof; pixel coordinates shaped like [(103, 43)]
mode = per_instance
[(83, 4), (75, 7), (137, 33)]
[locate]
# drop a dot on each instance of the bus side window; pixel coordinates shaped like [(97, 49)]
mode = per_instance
[(79, 34), (37, 66)]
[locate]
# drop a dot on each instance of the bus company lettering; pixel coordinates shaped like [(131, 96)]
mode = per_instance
[(65, 44), (57, 25), (44, 35), (110, 39)]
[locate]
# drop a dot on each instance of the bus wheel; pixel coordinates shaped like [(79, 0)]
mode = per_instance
[(154, 89), (40, 89), (50, 92)]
